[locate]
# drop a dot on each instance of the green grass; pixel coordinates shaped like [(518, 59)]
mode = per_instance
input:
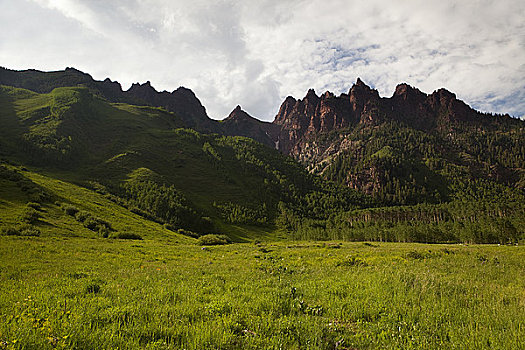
[(54, 221), (78, 293)]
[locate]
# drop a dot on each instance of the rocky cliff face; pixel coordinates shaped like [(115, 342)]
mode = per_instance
[(344, 138), (240, 123), (301, 121), (181, 101), (399, 148)]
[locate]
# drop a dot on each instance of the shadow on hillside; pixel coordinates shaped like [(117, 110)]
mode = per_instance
[(12, 129)]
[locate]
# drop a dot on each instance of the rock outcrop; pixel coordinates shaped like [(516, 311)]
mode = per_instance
[(301, 121), (240, 123)]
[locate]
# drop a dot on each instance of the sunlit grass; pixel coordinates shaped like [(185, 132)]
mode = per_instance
[(95, 293)]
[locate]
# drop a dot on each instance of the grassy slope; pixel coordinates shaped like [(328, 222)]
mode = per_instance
[(82, 139), (92, 293), (77, 137), (54, 221)]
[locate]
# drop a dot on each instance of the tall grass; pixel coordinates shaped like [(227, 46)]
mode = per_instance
[(83, 293)]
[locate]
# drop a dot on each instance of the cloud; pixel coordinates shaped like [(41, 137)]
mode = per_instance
[(233, 52)]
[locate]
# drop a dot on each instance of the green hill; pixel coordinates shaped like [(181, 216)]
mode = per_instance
[(411, 184), (36, 204), (140, 158)]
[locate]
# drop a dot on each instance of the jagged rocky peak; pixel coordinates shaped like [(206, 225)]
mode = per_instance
[(111, 89), (139, 86), (441, 98), (75, 71), (288, 104), (361, 91), (359, 82), (311, 93), (240, 123), (187, 96), (110, 82), (285, 109), (311, 98), (406, 91), (181, 90), (444, 94), (238, 114), (146, 93), (327, 95)]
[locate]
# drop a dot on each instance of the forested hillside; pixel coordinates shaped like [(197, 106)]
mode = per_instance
[(141, 159), (413, 167)]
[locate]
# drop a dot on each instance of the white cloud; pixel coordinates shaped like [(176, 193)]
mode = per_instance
[(255, 54)]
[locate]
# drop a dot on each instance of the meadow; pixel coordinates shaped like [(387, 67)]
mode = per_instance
[(105, 206), (95, 293)]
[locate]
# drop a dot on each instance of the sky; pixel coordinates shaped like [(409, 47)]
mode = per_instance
[(255, 53)]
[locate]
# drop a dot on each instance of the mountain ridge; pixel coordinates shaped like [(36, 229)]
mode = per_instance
[(181, 101), (331, 135), (410, 167)]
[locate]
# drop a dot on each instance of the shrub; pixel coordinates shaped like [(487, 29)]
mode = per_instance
[(21, 230), (417, 255), (70, 210), (29, 215), (91, 223), (93, 288), (99, 225), (352, 261), (28, 230), (10, 231), (213, 240), (187, 233), (34, 205), (82, 216), (103, 231)]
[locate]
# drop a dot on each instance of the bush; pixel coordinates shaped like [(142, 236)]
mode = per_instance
[(20, 230), (10, 231), (181, 231), (213, 240), (98, 225), (352, 261), (417, 255), (82, 216), (34, 205), (93, 223), (127, 235), (38, 195), (187, 233), (29, 215), (70, 210), (103, 231), (93, 288)]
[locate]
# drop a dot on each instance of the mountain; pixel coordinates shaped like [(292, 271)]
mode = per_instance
[(181, 101), (358, 166), (405, 149), (145, 159), (240, 123)]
